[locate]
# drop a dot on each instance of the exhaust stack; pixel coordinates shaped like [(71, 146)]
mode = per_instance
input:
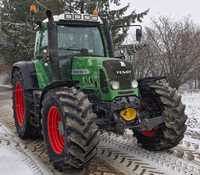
[(53, 45)]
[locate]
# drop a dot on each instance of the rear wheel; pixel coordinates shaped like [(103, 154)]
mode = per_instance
[(22, 105), (162, 100), (69, 128)]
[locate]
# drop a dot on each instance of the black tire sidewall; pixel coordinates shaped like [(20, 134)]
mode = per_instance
[(159, 141)]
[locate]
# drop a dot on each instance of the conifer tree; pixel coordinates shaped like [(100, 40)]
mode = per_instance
[(17, 29), (19, 35), (116, 18)]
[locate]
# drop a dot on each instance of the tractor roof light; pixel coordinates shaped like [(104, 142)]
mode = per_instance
[(77, 16), (68, 16), (94, 18), (90, 18), (95, 12), (87, 17), (33, 8)]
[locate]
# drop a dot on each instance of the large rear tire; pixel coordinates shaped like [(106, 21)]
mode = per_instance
[(160, 98), (22, 105), (69, 128)]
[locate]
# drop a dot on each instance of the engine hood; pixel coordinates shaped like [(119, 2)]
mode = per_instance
[(121, 71), (115, 69), (97, 73), (118, 69)]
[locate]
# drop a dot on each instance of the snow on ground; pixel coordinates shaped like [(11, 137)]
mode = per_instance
[(192, 102), (17, 162), (14, 160), (11, 162)]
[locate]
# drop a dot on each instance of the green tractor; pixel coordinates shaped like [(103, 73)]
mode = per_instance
[(74, 87)]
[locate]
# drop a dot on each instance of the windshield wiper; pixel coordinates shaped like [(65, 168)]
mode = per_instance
[(80, 50), (71, 49), (94, 55)]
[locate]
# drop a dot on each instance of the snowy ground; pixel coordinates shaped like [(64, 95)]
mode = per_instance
[(14, 159), (192, 102), (182, 160)]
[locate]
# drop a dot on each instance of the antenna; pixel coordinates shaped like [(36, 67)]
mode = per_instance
[(49, 15), (70, 6), (82, 6)]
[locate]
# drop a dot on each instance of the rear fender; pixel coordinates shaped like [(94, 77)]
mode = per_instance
[(27, 68)]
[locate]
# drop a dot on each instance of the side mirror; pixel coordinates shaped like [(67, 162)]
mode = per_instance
[(138, 35)]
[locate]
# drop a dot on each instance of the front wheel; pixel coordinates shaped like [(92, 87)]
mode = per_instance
[(69, 128), (160, 99)]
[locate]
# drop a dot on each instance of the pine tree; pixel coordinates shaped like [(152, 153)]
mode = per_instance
[(19, 35), (115, 17), (17, 29)]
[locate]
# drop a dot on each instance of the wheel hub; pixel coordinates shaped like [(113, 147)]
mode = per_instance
[(149, 133), (61, 128)]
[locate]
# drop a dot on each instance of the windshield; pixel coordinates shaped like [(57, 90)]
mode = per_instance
[(72, 40)]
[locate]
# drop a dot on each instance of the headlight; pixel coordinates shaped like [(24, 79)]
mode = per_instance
[(115, 85), (134, 84)]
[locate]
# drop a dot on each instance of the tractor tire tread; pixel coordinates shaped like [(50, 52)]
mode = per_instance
[(173, 128), (83, 136)]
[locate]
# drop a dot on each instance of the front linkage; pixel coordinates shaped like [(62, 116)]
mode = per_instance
[(156, 117)]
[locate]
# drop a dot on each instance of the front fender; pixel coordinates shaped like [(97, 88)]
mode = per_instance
[(56, 84)]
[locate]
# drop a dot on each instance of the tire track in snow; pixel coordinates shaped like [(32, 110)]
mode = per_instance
[(167, 161), (126, 155), (37, 149), (8, 141)]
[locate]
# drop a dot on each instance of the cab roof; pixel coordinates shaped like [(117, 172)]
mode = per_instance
[(75, 17)]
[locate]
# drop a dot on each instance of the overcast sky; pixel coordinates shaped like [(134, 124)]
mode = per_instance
[(176, 9)]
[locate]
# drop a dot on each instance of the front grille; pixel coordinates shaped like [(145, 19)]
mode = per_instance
[(125, 84), (125, 92), (116, 71)]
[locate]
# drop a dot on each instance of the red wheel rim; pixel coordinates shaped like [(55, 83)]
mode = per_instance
[(19, 104), (150, 133), (55, 138)]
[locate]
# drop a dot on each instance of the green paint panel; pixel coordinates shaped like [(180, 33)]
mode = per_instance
[(43, 73), (86, 70)]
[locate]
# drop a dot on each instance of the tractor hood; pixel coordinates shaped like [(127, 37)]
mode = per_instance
[(114, 67), (121, 71), (92, 72)]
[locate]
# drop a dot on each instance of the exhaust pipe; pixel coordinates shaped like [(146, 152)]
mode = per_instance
[(53, 46)]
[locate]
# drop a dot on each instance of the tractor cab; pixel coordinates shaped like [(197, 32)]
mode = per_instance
[(77, 48), (75, 34)]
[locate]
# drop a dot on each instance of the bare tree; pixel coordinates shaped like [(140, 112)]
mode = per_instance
[(175, 48)]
